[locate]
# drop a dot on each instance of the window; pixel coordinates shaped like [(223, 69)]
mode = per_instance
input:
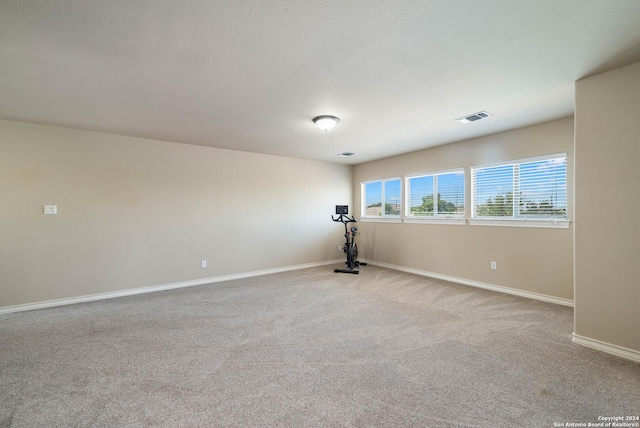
[(381, 199), (435, 197), (531, 192)]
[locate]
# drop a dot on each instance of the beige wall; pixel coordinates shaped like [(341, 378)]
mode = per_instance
[(530, 259), (607, 235), (135, 212)]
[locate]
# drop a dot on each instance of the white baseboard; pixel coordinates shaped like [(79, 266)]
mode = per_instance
[(609, 348), (153, 288), (499, 288)]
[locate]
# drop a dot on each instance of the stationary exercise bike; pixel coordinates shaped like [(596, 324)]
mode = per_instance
[(350, 248)]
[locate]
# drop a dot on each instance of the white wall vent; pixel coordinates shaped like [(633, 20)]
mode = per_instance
[(473, 117)]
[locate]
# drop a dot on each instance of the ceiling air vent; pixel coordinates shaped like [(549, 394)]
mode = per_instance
[(346, 154), (473, 117)]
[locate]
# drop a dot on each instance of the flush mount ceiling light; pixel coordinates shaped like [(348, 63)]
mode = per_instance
[(326, 122)]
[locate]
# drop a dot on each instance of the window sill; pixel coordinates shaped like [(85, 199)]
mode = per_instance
[(458, 221), (380, 219), (550, 224)]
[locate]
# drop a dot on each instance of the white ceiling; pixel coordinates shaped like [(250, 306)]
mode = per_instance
[(250, 75)]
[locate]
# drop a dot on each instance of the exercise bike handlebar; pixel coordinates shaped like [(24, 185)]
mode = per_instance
[(341, 219)]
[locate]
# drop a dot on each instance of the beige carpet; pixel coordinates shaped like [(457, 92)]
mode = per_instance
[(308, 348)]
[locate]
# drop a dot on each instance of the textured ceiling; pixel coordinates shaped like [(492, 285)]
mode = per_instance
[(250, 75)]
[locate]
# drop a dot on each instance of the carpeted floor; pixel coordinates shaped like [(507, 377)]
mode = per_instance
[(308, 348)]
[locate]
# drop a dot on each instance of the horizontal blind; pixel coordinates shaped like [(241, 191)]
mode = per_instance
[(436, 194), (450, 193), (420, 195), (543, 188), (373, 193), (493, 191), (392, 197), (382, 198), (521, 190)]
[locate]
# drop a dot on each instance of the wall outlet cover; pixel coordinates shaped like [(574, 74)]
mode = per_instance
[(51, 209)]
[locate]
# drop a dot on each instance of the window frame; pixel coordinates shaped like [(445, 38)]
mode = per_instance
[(436, 218), (383, 218), (523, 221)]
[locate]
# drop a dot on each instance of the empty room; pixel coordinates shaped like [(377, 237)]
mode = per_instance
[(319, 214)]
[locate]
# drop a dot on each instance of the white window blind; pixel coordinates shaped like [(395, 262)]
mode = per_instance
[(436, 195), (381, 198), (531, 189)]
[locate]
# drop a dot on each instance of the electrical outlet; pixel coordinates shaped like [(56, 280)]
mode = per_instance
[(494, 265), (51, 209), (204, 263), (339, 247)]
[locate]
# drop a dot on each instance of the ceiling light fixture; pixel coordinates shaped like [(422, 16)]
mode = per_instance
[(326, 122)]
